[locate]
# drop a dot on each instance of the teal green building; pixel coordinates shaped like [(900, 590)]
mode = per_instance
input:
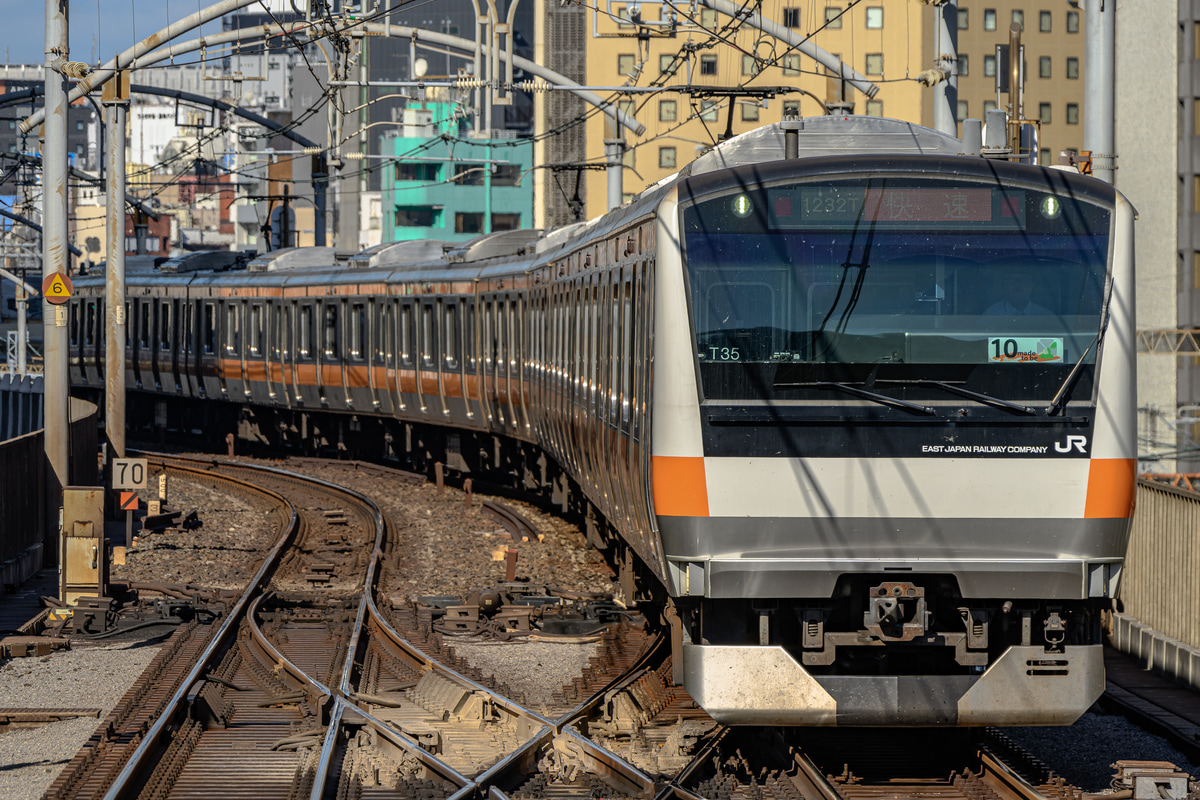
[(445, 185)]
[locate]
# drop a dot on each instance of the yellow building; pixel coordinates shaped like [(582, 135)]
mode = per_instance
[(635, 45)]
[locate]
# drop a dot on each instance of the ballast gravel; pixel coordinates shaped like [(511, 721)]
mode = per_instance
[(92, 676)]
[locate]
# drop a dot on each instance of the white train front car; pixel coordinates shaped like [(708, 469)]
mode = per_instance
[(893, 433)]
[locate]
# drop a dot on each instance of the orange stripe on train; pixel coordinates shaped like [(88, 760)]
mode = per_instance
[(1110, 489), (680, 488)]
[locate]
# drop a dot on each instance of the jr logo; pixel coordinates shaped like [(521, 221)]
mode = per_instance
[(1078, 442)]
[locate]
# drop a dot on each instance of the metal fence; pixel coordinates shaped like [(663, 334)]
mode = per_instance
[(26, 543), (1163, 561), (20, 405)]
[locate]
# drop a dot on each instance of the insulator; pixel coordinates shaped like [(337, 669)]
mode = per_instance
[(313, 151), (353, 156), (75, 69)]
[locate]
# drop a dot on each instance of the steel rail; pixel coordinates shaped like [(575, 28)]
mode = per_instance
[(150, 742)]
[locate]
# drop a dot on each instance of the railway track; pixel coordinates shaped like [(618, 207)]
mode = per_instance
[(314, 685)]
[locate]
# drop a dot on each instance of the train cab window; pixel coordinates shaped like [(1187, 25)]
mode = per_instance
[(452, 335), (329, 328), (210, 328), (306, 332), (254, 331), (231, 328), (164, 326), (144, 331), (356, 335), (428, 345), (89, 329), (998, 291), (406, 337)]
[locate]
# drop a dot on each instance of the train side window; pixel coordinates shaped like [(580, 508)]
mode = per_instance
[(379, 327), (164, 326), (330, 330), (306, 331), (358, 322), (90, 323), (210, 329), (489, 342), (451, 335), (406, 327), (428, 346), (501, 336), (626, 357), (144, 324), (254, 330), (74, 324), (514, 334), (231, 328)]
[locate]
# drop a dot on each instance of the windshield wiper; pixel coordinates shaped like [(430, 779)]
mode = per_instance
[(1060, 396), (987, 399), (882, 399)]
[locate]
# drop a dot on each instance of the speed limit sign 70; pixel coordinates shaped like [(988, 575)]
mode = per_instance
[(129, 473)]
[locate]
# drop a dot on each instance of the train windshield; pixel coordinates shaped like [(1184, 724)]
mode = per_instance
[(894, 280)]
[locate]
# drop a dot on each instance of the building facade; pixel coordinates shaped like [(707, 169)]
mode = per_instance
[(457, 188)]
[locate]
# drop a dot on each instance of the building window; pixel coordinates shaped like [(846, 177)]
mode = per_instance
[(506, 222), (1044, 156), (625, 64), (791, 108), (1072, 22), (708, 18), (749, 65), (989, 19), (1072, 113), (708, 111), (80, 125), (964, 18), (963, 112), (506, 175), (667, 64), (666, 157), (470, 174), (988, 105), (1073, 69), (468, 222), (964, 65), (1044, 113), (874, 17), (1045, 18), (874, 63), (708, 65), (791, 18), (989, 66), (791, 64), (833, 17), (1044, 67), (749, 111), (418, 171), (668, 111), (623, 16), (874, 108), (416, 217), (1018, 17)]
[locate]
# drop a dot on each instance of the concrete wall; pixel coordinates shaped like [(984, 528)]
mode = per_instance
[(1148, 173)]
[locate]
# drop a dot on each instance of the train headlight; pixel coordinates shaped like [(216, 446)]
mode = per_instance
[(742, 206)]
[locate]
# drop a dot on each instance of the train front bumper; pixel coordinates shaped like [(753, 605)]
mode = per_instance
[(748, 685)]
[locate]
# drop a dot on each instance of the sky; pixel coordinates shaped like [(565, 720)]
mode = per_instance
[(98, 29)]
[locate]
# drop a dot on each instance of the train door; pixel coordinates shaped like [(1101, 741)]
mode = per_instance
[(75, 367), (487, 361), (308, 391), (376, 352), (230, 362), (255, 351), (209, 349), (409, 369), (430, 375), (165, 360), (356, 372), (287, 352), (470, 339), (188, 360), (274, 350), (518, 355), (450, 362)]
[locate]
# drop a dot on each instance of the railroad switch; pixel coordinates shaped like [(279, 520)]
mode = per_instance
[(1151, 780), (93, 615)]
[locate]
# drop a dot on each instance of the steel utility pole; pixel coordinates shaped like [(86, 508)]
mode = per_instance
[(116, 106), (55, 387), (1098, 60), (945, 93)]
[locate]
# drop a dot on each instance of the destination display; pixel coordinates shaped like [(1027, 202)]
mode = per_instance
[(817, 206)]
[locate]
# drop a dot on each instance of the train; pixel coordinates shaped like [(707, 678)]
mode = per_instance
[(856, 407)]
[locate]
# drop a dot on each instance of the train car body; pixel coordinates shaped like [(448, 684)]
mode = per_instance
[(866, 415)]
